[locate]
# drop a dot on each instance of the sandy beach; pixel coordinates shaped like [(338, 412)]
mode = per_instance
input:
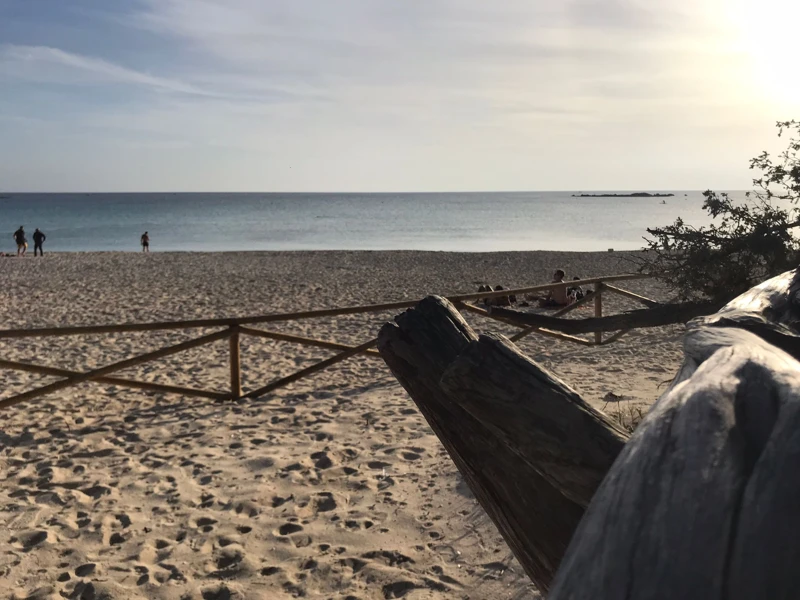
[(333, 487)]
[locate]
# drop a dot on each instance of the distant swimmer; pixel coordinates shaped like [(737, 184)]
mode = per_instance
[(145, 242), (38, 239), (22, 243)]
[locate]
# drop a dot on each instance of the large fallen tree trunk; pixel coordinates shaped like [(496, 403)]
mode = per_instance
[(701, 503), (667, 314), (770, 310), (529, 447)]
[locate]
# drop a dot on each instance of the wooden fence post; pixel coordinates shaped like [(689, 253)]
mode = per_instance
[(236, 368), (598, 310)]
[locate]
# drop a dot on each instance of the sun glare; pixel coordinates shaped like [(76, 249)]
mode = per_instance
[(769, 30)]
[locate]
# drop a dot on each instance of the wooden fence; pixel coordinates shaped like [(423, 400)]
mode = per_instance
[(234, 328)]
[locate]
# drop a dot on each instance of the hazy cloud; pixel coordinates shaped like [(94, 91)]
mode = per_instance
[(381, 94), (41, 63)]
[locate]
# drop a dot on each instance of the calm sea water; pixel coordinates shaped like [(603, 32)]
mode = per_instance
[(447, 221)]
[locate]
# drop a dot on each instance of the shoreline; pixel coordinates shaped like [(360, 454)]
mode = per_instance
[(329, 251)]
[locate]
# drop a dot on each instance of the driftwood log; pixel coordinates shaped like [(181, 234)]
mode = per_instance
[(529, 447), (657, 316), (702, 502)]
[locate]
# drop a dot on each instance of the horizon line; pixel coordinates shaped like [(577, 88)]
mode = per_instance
[(574, 190)]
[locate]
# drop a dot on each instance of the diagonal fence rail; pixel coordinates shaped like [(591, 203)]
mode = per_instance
[(235, 327)]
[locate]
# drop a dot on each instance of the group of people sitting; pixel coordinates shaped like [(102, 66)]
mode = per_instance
[(499, 300), (555, 298)]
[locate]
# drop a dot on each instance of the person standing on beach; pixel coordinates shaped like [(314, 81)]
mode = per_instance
[(145, 242), (38, 239), (22, 243)]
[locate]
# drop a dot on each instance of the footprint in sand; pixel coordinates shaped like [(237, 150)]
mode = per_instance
[(221, 592), (28, 540), (116, 539), (205, 524), (124, 520), (85, 570), (398, 589), (229, 562), (248, 508), (289, 528), (144, 574), (323, 502), (301, 541), (322, 460), (378, 464), (259, 464), (278, 501)]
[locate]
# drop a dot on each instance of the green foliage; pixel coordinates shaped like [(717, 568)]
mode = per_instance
[(747, 243)]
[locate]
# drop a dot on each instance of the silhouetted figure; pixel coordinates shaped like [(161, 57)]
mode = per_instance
[(38, 239), (556, 297), (22, 243), (145, 242)]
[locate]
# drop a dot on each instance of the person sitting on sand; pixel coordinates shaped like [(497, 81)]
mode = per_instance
[(487, 301), (557, 296), (499, 300), (145, 242), (22, 243)]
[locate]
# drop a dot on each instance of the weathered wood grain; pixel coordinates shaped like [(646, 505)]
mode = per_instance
[(703, 501), (770, 310), (535, 414), (464, 387)]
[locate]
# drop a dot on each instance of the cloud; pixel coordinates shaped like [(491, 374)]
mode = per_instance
[(35, 63), (380, 53), (44, 64), (386, 94)]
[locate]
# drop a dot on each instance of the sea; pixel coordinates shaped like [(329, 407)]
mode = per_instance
[(470, 222)]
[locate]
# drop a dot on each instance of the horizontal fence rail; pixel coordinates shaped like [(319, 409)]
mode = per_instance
[(141, 385), (236, 327), (310, 314), (118, 366)]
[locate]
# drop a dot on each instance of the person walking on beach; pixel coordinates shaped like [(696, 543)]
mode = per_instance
[(22, 243), (38, 239), (145, 242)]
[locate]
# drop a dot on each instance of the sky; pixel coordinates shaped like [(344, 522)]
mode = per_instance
[(391, 95)]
